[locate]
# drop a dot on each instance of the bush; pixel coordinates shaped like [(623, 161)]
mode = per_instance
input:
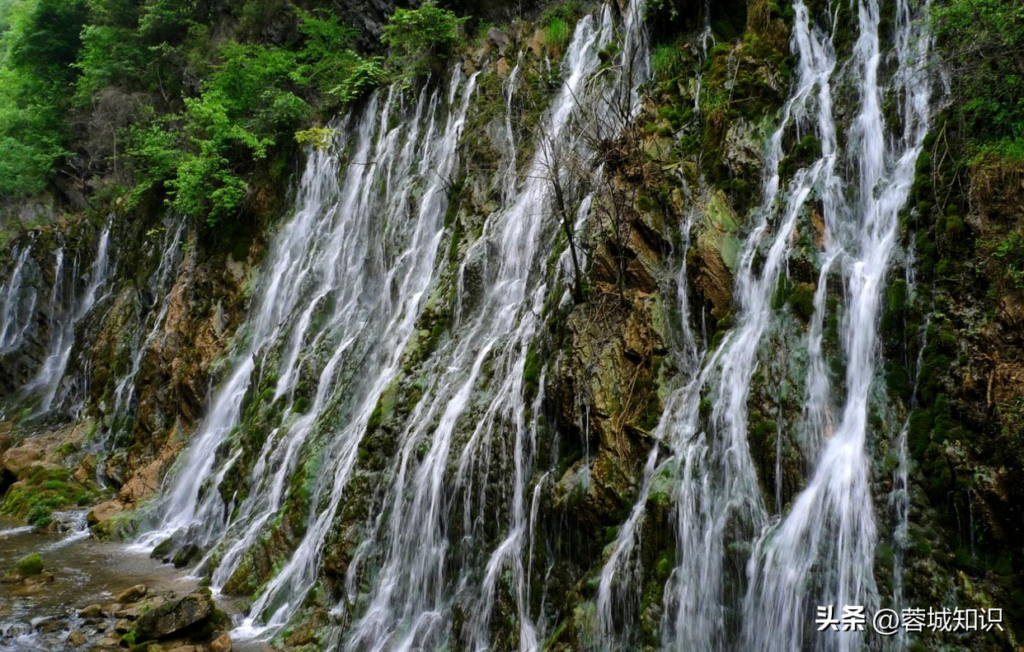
[(667, 61), (420, 40), (557, 34)]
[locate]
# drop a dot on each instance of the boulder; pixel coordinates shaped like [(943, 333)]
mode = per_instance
[(132, 594), (76, 638), (174, 616), (92, 611), (221, 643), (131, 613), (103, 511), (189, 554), (17, 460), (23, 569)]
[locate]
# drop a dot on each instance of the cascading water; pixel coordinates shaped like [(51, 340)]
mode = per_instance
[(365, 335), (349, 274), (15, 310), (830, 526), (62, 337), (373, 291), (718, 501), (162, 280)]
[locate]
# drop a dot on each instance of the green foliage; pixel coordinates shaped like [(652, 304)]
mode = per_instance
[(42, 492), (557, 34), (667, 61), (328, 64), (983, 41), (36, 53), (1011, 252), (190, 115), (420, 40), (29, 565), (318, 138)]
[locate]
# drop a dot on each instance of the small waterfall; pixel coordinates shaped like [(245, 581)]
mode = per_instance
[(161, 280), (338, 305), (15, 311), (412, 277), (62, 336), (830, 526)]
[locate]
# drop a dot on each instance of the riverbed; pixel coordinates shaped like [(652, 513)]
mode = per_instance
[(85, 571)]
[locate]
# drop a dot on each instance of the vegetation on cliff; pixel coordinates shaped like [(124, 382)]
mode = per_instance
[(183, 100)]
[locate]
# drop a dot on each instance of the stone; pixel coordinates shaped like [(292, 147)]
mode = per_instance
[(188, 554), (143, 483), (132, 594), (131, 613), (34, 583), (221, 643), (103, 511), (500, 39), (76, 638), (24, 568), (174, 616), (51, 625), (17, 460), (92, 611), (164, 550)]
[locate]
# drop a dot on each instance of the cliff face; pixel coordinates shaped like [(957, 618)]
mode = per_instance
[(557, 349)]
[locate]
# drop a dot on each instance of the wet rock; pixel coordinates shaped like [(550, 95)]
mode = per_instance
[(132, 594), (164, 550), (76, 638), (103, 512), (92, 611), (34, 584), (24, 568), (174, 616), (131, 613), (17, 460), (187, 555), (144, 483), (221, 643), (51, 625)]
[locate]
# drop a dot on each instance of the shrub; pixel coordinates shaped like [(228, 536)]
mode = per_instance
[(557, 34), (420, 40), (667, 61)]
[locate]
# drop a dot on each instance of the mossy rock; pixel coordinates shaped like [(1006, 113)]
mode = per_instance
[(27, 566)]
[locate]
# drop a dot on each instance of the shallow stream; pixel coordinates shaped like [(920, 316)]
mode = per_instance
[(40, 617)]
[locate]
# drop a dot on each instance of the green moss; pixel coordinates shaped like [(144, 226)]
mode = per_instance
[(29, 565), (801, 301), (42, 492)]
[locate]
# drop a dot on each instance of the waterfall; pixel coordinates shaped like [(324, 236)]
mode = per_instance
[(336, 315), (347, 278), (62, 335), (831, 523), (162, 281), (329, 258), (15, 315)]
